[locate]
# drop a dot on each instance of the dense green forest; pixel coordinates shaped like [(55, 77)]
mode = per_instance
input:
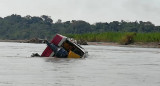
[(17, 27)]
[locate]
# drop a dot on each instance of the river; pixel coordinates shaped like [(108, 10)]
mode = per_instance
[(105, 66)]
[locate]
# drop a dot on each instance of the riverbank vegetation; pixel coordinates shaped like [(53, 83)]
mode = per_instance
[(118, 37), (16, 27)]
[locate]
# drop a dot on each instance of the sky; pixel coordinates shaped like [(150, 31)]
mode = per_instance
[(91, 11)]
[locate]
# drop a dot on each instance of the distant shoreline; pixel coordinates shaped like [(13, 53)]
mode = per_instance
[(19, 41), (138, 44)]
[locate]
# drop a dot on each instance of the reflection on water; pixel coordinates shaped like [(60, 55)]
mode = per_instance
[(105, 66)]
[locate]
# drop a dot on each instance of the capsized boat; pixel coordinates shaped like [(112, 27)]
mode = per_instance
[(63, 47)]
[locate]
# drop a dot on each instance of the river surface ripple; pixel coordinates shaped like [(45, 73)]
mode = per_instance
[(105, 66)]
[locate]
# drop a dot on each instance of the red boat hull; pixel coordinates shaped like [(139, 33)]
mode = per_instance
[(57, 40)]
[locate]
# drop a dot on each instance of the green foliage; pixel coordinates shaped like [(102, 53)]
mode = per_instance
[(98, 37), (119, 37), (147, 37), (128, 38), (18, 27)]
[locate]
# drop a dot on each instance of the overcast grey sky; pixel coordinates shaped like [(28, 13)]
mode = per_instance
[(88, 10)]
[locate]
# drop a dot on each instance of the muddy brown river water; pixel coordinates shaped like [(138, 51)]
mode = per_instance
[(105, 66)]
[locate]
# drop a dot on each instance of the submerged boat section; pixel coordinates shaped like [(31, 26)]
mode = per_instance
[(63, 47)]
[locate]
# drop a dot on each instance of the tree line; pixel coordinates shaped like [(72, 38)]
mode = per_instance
[(17, 27)]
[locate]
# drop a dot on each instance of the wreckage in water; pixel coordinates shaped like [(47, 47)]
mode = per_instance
[(63, 47)]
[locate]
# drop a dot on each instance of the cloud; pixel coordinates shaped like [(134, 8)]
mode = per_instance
[(147, 10), (89, 10)]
